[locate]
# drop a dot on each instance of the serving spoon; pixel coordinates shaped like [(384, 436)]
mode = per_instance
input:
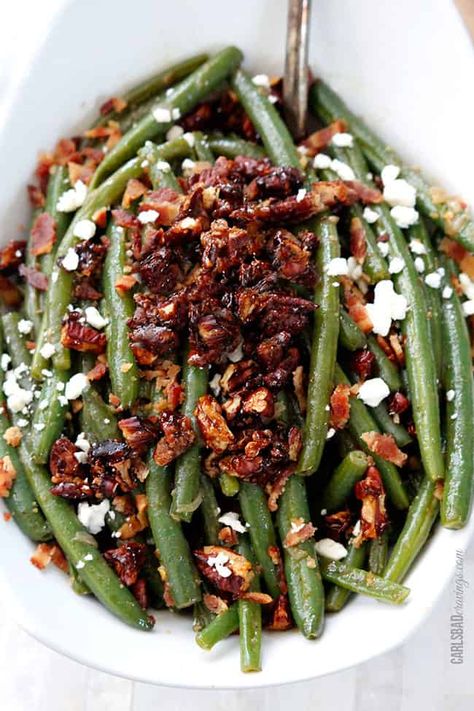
[(295, 85)]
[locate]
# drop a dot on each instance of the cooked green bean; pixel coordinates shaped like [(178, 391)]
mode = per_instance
[(378, 553), (250, 621), (233, 146), (98, 420), (362, 582), (58, 183), (341, 483), (387, 425), (14, 340), (230, 485), (222, 626), (209, 511), (350, 336), (336, 596), (201, 147), (32, 296), (48, 420)]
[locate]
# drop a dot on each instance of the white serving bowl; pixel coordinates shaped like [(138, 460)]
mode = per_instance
[(407, 67)]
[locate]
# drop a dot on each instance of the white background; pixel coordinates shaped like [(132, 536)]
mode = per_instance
[(417, 676)]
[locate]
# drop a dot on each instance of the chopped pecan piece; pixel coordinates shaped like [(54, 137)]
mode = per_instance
[(178, 436), (12, 255), (320, 139), (139, 432), (7, 475), (228, 571), (340, 406), (259, 402), (212, 425), (46, 553), (299, 532), (127, 560), (79, 337)]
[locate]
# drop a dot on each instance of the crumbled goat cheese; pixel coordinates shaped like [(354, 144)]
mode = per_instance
[(450, 395), (404, 216), (342, 170), (70, 261), (370, 215), (388, 306), (322, 161), (82, 443), (62, 400), (84, 229), (454, 416), (22, 422), (92, 516), (94, 318), (47, 351), (75, 386), (218, 562), (468, 307), (399, 192), (467, 285), (396, 265), (373, 391), (60, 387), (188, 164), (25, 326), (174, 132), (161, 114), (163, 165), (389, 174), (419, 265), (342, 140), (189, 138), (330, 549), (300, 194), (331, 433), (175, 114), (447, 292), (73, 198), (39, 426), (354, 269), (43, 404), (261, 80), (232, 520), (5, 361), (433, 280), (148, 216), (337, 267), (383, 248), (356, 528), (417, 247)]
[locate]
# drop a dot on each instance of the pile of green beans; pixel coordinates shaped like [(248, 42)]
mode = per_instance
[(290, 581)]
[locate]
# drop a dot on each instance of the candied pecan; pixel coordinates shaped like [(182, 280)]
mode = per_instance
[(273, 310), (85, 291), (338, 523), (279, 182), (139, 432), (12, 255), (259, 402), (358, 244), (279, 377), (277, 487), (133, 190), (76, 490), (232, 406), (295, 443), (127, 560), (238, 375), (340, 406), (160, 269), (140, 592), (384, 446), (300, 531), (362, 363), (214, 603), (315, 142), (63, 465), (33, 276), (91, 254), (159, 340), (46, 553), (226, 247), (281, 616), (137, 520), (7, 476), (291, 258), (125, 282), (214, 331), (212, 425), (300, 389), (110, 467), (398, 403), (228, 571), (253, 272), (178, 436), (79, 337), (373, 518), (272, 350)]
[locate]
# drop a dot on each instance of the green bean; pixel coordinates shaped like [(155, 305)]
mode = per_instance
[(120, 307), (186, 493), (420, 518), (233, 146), (361, 421), (77, 585), (222, 626), (323, 350), (389, 426), (15, 341), (387, 370), (460, 227), (201, 147), (336, 597), (172, 546), (378, 552), (98, 420), (255, 511), (458, 381), (350, 335), (57, 185), (202, 617), (266, 119), (374, 264), (181, 99), (209, 512), (32, 296), (162, 176), (341, 483), (48, 420), (362, 582), (70, 535), (250, 621), (230, 485), (305, 588)]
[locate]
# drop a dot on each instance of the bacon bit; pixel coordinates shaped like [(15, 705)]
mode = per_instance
[(127, 560), (46, 553), (7, 476), (125, 282), (298, 533), (227, 536), (215, 604), (276, 488), (299, 386), (111, 132), (79, 337), (340, 406), (371, 492), (124, 219), (138, 522), (178, 436), (212, 425), (358, 244), (366, 194), (258, 597), (397, 348), (12, 436), (166, 202), (295, 443), (7, 516), (100, 217), (318, 140), (384, 446), (113, 105), (134, 190), (31, 345), (281, 615), (99, 370), (12, 255), (34, 277), (79, 171), (10, 294), (387, 349), (37, 198), (43, 234), (241, 573), (398, 403), (356, 308)]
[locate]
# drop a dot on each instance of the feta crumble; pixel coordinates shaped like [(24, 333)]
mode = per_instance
[(322, 161), (300, 194), (92, 516), (70, 260), (396, 265), (450, 395), (161, 114), (73, 198), (148, 216), (419, 265), (373, 391), (337, 267), (447, 292), (370, 215), (468, 307), (218, 562), (342, 170), (383, 248), (75, 386), (389, 174), (417, 247), (174, 132), (232, 520), (433, 280), (84, 229), (261, 80), (328, 548), (404, 216), (342, 140), (47, 351), (94, 318), (387, 306), (24, 326)]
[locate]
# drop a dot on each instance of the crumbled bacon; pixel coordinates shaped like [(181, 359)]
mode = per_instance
[(7, 476), (236, 581), (46, 553), (114, 104), (178, 436), (277, 487), (373, 517), (133, 190), (36, 196), (79, 337), (358, 244), (43, 234), (127, 560), (320, 139), (299, 532), (98, 372), (79, 171), (340, 406), (384, 446), (34, 277), (362, 363), (13, 436), (125, 283), (212, 425), (12, 255)]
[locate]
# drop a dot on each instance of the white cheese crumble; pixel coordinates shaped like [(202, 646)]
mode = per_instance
[(383, 248), (388, 306), (175, 114), (467, 285), (450, 395), (300, 194), (188, 164), (92, 516), (331, 433), (417, 247), (25, 326), (342, 140), (468, 307), (447, 292), (5, 361), (161, 114), (70, 260), (22, 422), (39, 426), (148, 216), (373, 391), (232, 520), (261, 80), (330, 549), (82, 443), (164, 166), (218, 562), (399, 192), (419, 265), (75, 386), (189, 138), (94, 318), (404, 216), (18, 398), (389, 174), (356, 528), (73, 198), (84, 229), (47, 351), (337, 267), (43, 404), (370, 215), (174, 132), (354, 269), (322, 161), (342, 170), (433, 280), (396, 265)]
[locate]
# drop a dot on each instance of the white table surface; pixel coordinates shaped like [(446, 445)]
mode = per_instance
[(416, 677)]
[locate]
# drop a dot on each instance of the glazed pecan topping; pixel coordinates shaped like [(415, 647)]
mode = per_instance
[(228, 571), (178, 436), (127, 560), (77, 336), (212, 425)]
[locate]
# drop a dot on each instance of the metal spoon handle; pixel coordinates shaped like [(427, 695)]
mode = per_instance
[(295, 91)]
